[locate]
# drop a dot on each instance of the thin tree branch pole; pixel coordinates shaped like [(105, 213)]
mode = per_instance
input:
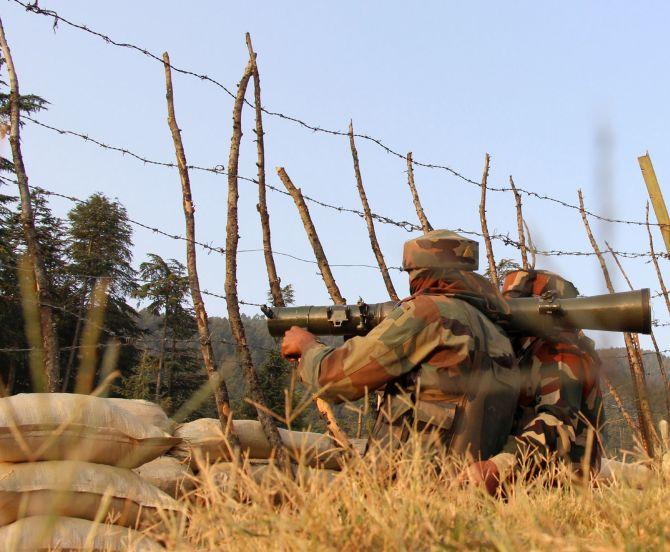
[(645, 419), (275, 286), (321, 259), (220, 390), (656, 196), (331, 286), (659, 356), (262, 207), (654, 259), (425, 225), (485, 229), (617, 400), (519, 224), (237, 328), (35, 258), (368, 219)]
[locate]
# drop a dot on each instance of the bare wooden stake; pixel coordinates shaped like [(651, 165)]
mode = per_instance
[(659, 356), (493, 270), (654, 259), (220, 390), (519, 224), (49, 342), (262, 206), (368, 219), (656, 196), (425, 225), (313, 237), (645, 419), (237, 328), (322, 406)]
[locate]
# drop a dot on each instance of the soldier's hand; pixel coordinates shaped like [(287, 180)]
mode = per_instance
[(483, 474), (296, 342)]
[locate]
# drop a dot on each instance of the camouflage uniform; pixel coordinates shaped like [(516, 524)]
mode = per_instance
[(446, 366), (560, 397)]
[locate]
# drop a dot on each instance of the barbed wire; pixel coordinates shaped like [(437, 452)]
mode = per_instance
[(131, 342), (206, 246), (34, 8), (123, 340), (408, 226)]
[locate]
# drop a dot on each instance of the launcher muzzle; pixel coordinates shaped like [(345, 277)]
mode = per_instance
[(538, 316)]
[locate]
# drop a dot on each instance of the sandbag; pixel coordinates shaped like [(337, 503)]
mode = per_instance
[(148, 411), (634, 475), (205, 435), (64, 426), (77, 489), (169, 474), (42, 533)]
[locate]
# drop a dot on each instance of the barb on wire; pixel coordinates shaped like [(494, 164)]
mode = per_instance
[(34, 8)]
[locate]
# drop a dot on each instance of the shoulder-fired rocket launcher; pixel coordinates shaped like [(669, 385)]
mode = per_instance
[(538, 316)]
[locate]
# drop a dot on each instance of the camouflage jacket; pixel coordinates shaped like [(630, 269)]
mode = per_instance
[(438, 338), (560, 401)]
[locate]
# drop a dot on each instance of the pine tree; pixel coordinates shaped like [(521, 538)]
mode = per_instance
[(100, 246), (166, 287)]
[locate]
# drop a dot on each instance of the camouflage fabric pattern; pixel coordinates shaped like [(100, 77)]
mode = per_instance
[(560, 399), (460, 284), (441, 249), (534, 283), (424, 352), (559, 403)]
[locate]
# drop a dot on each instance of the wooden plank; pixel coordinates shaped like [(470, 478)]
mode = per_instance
[(656, 197)]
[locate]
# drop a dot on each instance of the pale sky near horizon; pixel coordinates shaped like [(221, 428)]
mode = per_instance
[(534, 84)]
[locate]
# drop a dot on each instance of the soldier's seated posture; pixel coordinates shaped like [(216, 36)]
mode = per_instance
[(446, 367), (560, 399)]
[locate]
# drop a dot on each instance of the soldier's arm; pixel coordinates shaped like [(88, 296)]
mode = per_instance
[(557, 411), (396, 346)]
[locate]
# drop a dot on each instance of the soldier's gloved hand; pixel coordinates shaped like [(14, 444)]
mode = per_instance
[(483, 474), (296, 342)]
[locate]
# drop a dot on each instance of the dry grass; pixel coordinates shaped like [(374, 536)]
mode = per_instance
[(418, 506)]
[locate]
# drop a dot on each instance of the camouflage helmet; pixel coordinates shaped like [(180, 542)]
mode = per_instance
[(441, 249), (534, 283)]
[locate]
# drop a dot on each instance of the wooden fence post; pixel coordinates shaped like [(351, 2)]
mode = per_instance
[(219, 388), (368, 219), (645, 419), (49, 342), (237, 328), (425, 225), (656, 197), (493, 269)]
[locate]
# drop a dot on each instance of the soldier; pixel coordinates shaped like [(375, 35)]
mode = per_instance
[(560, 400), (445, 365)]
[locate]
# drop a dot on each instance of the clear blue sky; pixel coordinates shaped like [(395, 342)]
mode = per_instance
[(532, 83)]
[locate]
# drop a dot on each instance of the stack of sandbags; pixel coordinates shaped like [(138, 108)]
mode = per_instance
[(204, 439), (70, 456)]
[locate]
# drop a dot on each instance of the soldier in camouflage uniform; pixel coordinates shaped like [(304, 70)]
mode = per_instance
[(560, 400), (446, 367)]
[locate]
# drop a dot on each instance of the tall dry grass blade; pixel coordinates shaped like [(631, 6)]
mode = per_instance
[(91, 337)]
